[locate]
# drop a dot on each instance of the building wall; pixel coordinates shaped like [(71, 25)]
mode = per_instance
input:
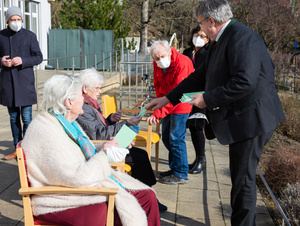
[(36, 17)]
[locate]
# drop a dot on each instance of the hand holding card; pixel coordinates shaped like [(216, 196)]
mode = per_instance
[(186, 97)]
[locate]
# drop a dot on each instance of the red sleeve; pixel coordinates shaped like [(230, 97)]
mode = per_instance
[(184, 70)]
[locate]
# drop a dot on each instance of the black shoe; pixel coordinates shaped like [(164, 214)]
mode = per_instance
[(191, 166), (199, 166), (161, 207), (166, 173)]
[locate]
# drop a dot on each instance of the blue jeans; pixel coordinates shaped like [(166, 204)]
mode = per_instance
[(15, 121), (173, 137)]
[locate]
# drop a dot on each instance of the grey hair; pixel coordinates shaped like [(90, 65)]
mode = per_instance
[(57, 90), (90, 77), (155, 46), (219, 10)]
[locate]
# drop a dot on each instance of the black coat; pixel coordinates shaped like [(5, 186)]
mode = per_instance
[(17, 83), (238, 79), (199, 59), (199, 56)]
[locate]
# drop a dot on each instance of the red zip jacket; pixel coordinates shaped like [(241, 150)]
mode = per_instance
[(181, 67)]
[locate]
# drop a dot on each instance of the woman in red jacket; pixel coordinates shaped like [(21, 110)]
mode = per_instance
[(170, 68)]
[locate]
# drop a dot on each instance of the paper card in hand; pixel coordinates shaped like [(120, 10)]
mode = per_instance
[(143, 111), (125, 136), (186, 97)]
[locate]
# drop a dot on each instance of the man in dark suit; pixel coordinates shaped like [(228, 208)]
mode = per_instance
[(240, 96)]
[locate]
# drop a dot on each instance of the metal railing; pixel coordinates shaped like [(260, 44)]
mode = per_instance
[(284, 218), (134, 84), (108, 70), (112, 69)]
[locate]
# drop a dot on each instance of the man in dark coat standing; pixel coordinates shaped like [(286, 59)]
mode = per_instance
[(242, 104), (19, 52)]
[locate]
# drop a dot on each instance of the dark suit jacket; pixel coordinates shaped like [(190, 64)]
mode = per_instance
[(238, 79), (17, 83)]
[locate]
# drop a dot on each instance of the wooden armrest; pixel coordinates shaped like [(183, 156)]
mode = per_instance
[(99, 141), (135, 111), (130, 111), (66, 190)]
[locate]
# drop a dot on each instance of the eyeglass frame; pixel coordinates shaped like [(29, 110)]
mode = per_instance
[(96, 89), (200, 23), (201, 36)]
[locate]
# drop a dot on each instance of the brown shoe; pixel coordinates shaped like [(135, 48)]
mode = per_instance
[(11, 156)]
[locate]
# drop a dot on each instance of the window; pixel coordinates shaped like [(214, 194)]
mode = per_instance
[(30, 12)]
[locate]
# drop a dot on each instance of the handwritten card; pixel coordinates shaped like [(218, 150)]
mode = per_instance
[(125, 136)]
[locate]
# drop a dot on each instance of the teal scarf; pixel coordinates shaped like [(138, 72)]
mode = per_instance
[(76, 134), (74, 131)]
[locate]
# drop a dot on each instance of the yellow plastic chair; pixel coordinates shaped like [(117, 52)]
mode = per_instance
[(26, 191), (145, 138)]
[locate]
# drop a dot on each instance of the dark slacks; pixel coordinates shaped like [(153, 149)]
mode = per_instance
[(244, 157), (141, 168), (95, 215), (197, 134)]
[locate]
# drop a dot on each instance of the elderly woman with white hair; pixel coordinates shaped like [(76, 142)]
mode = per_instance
[(59, 153), (99, 128)]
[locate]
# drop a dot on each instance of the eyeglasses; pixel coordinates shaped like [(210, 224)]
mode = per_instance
[(200, 23), (201, 36), (96, 89)]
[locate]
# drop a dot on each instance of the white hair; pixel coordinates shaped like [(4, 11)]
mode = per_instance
[(91, 78), (157, 44), (219, 10), (57, 90)]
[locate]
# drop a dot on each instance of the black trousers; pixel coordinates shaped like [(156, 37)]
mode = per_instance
[(141, 168), (244, 157)]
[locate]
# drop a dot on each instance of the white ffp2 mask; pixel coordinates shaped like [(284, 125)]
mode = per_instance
[(198, 42), (163, 62), (15, 25)]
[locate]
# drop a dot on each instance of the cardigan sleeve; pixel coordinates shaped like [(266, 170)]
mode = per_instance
[(94, 127)]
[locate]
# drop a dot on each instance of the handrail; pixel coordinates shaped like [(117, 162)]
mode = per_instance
[(89, 54), (274, 199), (136, 62), (141, 68)]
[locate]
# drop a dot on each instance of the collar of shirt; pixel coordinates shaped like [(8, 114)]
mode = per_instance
[(222, 30)]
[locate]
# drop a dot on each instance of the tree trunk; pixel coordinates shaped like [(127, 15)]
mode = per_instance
[(144, 29)]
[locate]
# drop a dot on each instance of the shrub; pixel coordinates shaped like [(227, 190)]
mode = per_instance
[(283, 168), (290, 203), (134, 80), (290, 127)]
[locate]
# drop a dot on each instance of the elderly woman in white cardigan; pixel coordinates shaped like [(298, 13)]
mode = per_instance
[(59, 153)]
